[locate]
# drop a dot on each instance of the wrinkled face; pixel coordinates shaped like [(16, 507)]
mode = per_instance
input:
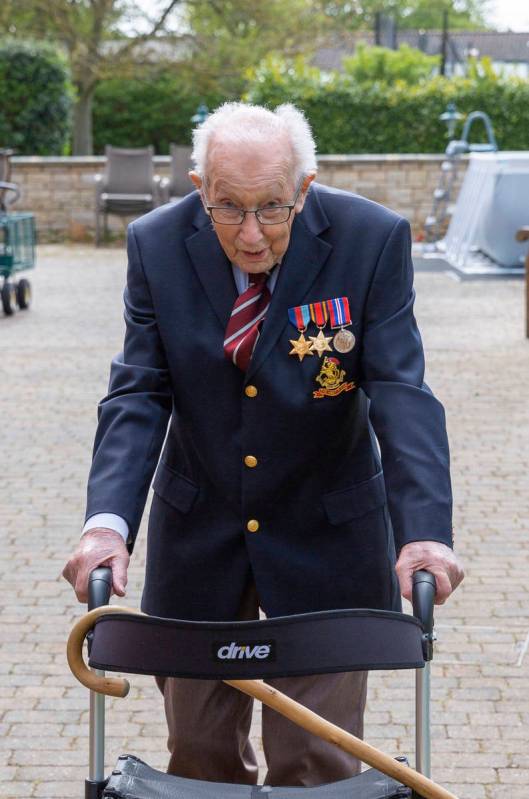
[(250, 177)]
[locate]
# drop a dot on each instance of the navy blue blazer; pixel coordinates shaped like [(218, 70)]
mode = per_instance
[(330, 520)]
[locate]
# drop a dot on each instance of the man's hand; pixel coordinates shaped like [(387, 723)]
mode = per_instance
[(98, 547), (434, 557)]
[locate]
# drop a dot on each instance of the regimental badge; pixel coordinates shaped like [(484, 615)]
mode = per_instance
[(331, 379)]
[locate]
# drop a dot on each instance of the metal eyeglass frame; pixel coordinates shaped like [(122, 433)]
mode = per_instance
[(256, 211)]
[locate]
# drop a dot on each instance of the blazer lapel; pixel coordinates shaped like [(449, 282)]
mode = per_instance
[(213, 269), (301, 265)]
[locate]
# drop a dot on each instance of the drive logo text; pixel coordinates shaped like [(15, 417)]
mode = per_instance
[(244, 650)]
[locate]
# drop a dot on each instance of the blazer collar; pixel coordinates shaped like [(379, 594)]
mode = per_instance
[(301, 264)]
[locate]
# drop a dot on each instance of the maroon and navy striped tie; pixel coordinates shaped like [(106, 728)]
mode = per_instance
[(246, 317)]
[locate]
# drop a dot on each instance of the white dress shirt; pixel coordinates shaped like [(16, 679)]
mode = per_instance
[(111, 520)]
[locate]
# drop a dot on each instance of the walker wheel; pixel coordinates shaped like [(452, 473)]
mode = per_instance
[(23, 293), (9, 298)]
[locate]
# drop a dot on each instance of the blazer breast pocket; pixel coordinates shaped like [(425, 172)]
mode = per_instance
[(355, 501), (178, 491)]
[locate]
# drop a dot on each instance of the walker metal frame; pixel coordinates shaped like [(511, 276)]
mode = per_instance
[(100, 586)]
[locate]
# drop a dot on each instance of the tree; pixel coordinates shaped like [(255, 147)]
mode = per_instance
[(226, 37), (358, 14), (232, 36), (89, 31)]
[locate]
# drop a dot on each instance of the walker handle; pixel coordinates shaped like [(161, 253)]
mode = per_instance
[(423, 596), (99, 587)]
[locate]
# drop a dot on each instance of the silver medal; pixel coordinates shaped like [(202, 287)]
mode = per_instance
[(344, 340)]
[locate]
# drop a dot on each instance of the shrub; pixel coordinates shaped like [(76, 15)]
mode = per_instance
[(372, 64), (135, 112), (35, 98), (348, 116)]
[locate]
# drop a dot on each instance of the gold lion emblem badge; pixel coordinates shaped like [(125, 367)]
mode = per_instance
[(331, 379)]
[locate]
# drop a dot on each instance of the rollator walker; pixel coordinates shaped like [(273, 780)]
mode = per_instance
[(244, 654)]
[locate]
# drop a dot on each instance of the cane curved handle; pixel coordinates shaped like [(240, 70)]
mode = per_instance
[(111, 686)]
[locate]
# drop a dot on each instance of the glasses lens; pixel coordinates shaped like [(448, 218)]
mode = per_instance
[(273, 216), (226, 216)]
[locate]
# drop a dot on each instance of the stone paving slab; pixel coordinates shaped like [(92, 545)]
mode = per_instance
[(54, 369)]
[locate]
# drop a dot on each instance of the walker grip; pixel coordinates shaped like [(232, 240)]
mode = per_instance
[(423, 596), (99, 587)]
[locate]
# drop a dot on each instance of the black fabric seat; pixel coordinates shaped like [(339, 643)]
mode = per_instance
[(134, 779)]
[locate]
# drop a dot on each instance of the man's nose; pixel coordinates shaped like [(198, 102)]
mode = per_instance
[(251, 229)]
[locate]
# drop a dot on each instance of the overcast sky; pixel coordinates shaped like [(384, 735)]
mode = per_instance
[(509, 15), (503, 14)]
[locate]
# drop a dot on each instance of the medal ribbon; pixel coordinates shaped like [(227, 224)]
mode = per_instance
[(299, 316), (319, 313), (339, 312)]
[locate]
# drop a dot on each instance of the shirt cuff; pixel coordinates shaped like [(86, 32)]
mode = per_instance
[(110, 520)]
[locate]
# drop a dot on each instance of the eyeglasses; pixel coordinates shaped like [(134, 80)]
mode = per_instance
[(269, 215)]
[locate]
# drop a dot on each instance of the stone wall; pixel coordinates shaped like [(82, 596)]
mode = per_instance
[(60, 191)]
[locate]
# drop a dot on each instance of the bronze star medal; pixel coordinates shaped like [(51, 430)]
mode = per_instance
[(300, 347), (320, 343)]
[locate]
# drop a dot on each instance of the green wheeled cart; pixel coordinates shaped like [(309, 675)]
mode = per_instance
[(17, 253)]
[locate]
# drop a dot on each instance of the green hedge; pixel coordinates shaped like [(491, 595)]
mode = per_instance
[(35, 98), (154, 110), (348, 117)]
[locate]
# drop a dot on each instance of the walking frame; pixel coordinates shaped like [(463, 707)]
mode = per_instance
[(123, 639)]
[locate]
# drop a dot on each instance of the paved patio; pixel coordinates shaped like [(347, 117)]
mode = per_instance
[(54, 368)]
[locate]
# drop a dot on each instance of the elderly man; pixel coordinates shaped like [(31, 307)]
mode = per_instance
[(270, 325)]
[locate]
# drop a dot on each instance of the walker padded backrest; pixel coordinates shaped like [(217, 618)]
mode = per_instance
[(311, 643)]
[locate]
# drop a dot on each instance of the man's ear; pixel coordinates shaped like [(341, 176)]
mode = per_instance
[(195, 178), (307, 180), (198, 183)]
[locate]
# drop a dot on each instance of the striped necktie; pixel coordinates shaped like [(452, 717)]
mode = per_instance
[(246, 318)]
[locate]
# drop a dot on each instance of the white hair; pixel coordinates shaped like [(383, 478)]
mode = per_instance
[(242, 123)]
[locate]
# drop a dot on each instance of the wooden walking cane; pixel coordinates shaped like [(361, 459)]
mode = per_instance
[(319, 726), (292, 710)]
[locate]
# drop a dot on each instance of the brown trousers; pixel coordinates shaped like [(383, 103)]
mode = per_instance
[(209, 726)]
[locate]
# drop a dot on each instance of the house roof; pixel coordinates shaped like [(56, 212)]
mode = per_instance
[(506, 47)]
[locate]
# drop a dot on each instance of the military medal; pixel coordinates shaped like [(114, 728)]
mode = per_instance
[(320, 343), (300, 317), (300, 347), (340, 316), (319, 315), (343, 341)]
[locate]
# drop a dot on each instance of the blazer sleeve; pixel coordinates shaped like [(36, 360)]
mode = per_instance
[(133, 417), (408, 420)]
